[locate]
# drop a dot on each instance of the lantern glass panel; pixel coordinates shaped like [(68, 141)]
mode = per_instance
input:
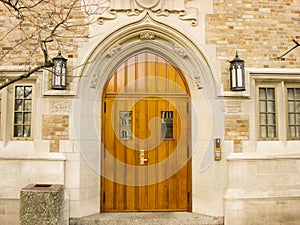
[(59, 73), (237, 74)]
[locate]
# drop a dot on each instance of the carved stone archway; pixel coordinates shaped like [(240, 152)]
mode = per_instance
[(178, 49)]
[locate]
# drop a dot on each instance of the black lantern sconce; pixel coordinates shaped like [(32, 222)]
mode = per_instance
[(237, 74), (59, 72)]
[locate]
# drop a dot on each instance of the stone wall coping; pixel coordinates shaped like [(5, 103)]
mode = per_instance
[(43, 188), (32, 156), (266, 71), (237, 193), (262, 156)]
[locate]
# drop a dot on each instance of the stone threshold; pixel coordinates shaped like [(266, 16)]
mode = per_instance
[(147, 218)]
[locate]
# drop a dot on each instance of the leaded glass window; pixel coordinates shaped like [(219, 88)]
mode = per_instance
[(267, 113), (293, 99), (167, 124), (22, 111), (126, 125)]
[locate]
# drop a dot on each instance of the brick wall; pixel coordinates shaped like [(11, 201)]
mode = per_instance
[(21, 47), (55, 128), (237, 130), (261, 30)]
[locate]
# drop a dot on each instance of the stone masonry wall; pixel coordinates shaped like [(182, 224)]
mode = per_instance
[(55, 128), (261, 30), (262, 190), (27, 52), (237, 129), (20, 47)]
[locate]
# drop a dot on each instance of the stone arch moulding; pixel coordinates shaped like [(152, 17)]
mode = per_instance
[(174, 46)]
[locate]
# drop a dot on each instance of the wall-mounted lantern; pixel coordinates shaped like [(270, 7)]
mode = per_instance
[(237, 74), (59, 72)]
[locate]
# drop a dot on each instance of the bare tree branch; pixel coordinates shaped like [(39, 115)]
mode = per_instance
[(38, 28), (25, 75), (297, 45)]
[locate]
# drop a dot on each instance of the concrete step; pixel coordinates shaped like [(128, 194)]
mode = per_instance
[(153, 218)]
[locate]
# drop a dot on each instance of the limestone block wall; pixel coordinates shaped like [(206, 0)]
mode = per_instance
[(263, 189), (19, 171)]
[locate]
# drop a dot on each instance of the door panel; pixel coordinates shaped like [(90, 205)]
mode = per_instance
[(146, 107), (161, 184)]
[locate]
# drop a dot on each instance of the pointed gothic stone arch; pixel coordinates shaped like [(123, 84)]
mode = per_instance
[(207, 115)]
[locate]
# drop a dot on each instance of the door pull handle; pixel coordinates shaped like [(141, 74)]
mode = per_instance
[(142, 157)]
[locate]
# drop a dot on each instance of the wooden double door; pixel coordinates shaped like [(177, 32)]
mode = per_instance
[(146, 159)]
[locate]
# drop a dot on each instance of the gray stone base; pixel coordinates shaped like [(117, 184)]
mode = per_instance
[(157, 218), (42, 204)]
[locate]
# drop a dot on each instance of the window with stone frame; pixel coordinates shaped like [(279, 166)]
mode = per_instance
[(267, 113), (293, 112), (22, 111), (278, 109)]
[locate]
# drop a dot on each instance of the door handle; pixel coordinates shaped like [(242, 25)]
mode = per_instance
[(142, 157)]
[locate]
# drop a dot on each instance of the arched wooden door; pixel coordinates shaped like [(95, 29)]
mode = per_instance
[(146, 159)]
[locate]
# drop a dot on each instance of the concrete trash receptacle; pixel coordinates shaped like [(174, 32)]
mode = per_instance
[(42, 204)]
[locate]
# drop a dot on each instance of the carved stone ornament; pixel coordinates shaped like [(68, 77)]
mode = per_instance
[(198, 81), (94, 81), (110, 9), (147, 36), (180, 51), (233, 107), (147, 4), (58, 106), (114, 50)]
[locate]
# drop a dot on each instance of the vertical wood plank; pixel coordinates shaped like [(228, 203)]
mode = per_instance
[(180, 84), (131, 163), (151, 73), (120, 158), (120, 79), (152, 153), (183, 173), (171, 79), (173, 158), (131, 74), (162, 76), (111, 85), (109, 161), (142, 134), (162, 187)]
